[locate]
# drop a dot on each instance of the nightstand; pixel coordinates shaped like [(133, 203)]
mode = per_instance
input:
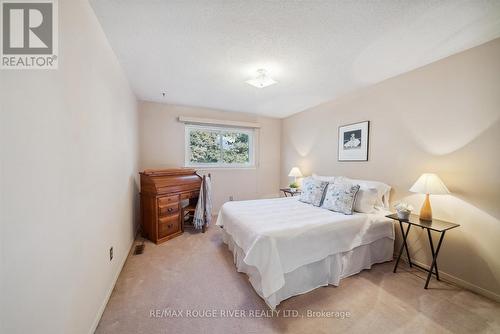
[(436, 225), (289, 193)]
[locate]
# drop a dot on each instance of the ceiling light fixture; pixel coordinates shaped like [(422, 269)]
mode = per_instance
[(261, 80)]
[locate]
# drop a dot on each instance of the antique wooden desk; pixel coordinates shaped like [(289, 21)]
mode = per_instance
[(162, 192)]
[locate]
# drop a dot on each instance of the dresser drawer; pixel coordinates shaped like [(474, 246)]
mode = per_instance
[(168, 209), (168, 200), (168, 225)]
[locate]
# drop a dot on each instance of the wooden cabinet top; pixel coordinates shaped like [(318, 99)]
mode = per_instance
[(172, 180), (168, 172)]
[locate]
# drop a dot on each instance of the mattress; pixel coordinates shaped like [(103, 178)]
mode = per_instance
[(278, 236)]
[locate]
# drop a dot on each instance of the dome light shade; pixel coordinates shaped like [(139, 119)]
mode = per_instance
[(429, 183), (261, 80)]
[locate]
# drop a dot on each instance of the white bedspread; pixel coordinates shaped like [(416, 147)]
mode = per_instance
[(282, 234)]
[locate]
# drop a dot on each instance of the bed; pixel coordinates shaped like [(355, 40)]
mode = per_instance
[(287, 247)]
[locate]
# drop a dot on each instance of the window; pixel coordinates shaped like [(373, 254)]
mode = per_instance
[(208, 146)]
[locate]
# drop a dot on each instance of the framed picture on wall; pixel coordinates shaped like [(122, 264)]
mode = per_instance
[(353, 141)]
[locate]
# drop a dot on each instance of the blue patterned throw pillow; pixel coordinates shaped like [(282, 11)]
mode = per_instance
[(312, 191), (340, 196)]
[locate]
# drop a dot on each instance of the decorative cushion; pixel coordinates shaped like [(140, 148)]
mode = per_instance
[(312, 191), (340, 196)]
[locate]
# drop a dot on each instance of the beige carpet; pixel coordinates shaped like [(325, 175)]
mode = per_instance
[(195, 272)]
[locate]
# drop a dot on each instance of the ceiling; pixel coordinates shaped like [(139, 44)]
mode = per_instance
[(200, 53)]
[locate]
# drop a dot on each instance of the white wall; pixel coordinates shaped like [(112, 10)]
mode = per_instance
[(162, 145), (443, 118), (69, 157)]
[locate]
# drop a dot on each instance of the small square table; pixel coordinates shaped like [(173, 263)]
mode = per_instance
[(435, 225), (289, 193)]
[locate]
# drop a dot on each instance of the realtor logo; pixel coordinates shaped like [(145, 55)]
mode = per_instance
[(29, 34)]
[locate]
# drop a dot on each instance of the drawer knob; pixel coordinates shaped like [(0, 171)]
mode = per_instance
[(170, 209)]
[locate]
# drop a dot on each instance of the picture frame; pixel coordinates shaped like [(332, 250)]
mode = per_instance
[(353, 141)]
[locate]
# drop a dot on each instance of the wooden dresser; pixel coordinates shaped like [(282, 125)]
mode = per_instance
[(163, 192)]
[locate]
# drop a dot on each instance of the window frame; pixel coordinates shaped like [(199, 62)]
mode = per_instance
[(219, 129)]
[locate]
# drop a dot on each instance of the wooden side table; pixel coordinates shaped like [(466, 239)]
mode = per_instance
[(289, 193), (435, 225)]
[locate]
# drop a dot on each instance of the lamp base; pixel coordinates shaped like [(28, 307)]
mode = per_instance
[(426, 210)]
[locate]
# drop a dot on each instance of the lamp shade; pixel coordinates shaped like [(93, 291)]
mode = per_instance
[(429, 183), (295, 172)]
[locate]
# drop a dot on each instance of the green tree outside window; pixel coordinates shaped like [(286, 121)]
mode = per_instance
[(209, 146)]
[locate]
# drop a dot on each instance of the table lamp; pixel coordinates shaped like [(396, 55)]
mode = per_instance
[(428, 184), (295, 172)]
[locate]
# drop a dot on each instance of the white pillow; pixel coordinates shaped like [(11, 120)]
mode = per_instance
[(329, 179), (383, 191), (366, 200)]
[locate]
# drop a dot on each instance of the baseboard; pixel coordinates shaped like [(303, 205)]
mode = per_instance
[(110, 289), (444, 276)]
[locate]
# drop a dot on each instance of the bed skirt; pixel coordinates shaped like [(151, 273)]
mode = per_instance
[(328, 271)]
